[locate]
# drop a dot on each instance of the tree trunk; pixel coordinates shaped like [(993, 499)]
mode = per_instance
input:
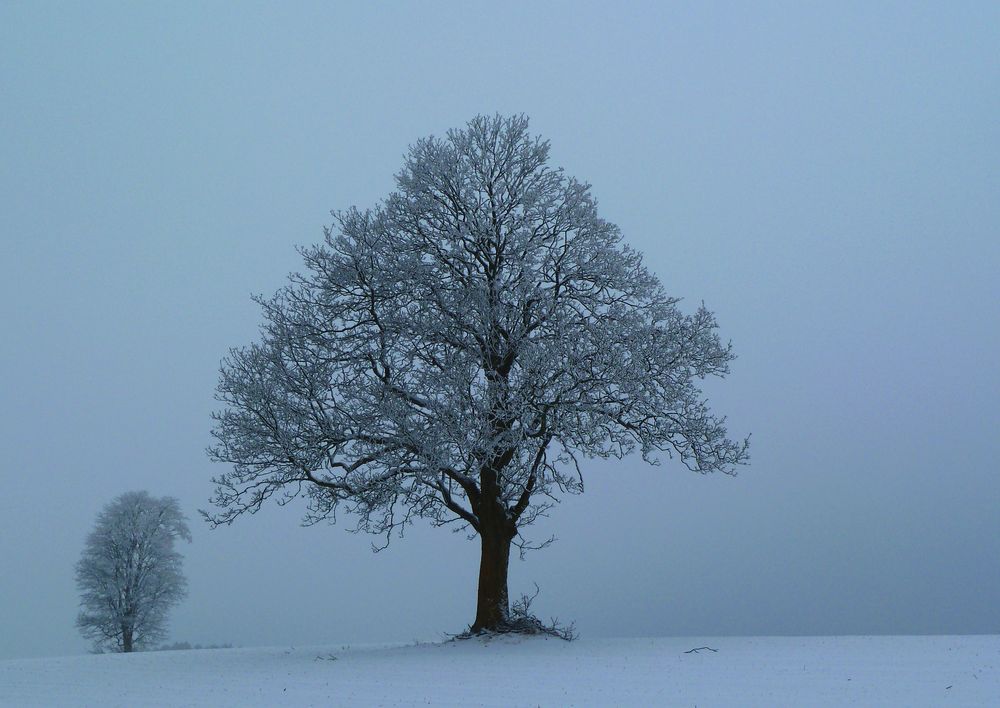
[(126, 638), (493, 605)]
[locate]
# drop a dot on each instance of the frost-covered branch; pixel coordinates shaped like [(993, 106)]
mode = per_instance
[(458, 347)]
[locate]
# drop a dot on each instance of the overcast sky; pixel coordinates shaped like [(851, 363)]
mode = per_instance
[(826, 180)]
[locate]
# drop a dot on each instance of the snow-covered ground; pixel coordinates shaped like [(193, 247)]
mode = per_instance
[(744, 671)]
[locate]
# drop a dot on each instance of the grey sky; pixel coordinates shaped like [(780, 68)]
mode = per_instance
[(826, 179)]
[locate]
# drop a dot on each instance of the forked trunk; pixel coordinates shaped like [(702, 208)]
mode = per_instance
[(493, 605)]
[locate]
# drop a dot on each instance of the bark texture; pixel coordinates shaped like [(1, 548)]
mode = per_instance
[(493, 599)]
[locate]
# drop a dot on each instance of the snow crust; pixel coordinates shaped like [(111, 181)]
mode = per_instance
[(744, 671)]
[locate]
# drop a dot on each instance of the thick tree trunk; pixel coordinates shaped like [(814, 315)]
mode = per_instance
[(126, 638), (493, 604)]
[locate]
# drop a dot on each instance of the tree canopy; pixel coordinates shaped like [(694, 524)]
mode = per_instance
[(454, 353)]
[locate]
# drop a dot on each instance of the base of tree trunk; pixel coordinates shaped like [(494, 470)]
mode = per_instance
[(523, 624), (520, 620)]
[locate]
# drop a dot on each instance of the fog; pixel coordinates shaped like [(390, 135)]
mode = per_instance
[(826, 180)]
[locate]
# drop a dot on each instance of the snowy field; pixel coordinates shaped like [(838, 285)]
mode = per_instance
[(744, 671)]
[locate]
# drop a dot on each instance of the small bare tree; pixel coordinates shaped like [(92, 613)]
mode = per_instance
[(129, 574), (453, 352)]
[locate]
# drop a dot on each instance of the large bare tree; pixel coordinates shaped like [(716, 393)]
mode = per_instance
[(454, 352)]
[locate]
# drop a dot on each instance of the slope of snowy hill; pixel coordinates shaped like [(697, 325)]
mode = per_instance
[(742, 671)]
